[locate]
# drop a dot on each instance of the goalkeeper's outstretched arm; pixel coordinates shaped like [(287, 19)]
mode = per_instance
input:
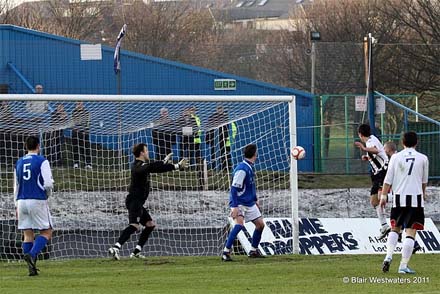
[(160, 167)]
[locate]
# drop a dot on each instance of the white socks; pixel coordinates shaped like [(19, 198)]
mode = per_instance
[(408, 246), (381, 216), (391, 244)]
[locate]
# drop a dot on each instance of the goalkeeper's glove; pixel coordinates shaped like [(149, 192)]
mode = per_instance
[(183, 164), (168, 158)]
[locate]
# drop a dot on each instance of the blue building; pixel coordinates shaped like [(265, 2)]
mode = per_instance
[(29, 57)]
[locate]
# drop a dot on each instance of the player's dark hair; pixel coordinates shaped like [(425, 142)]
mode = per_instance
[(250, 150), (138, 148), (32, 143), (364, 130), (409, 139)]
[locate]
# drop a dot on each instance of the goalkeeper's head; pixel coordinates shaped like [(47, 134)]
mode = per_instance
[(250, 152), (140, 151)]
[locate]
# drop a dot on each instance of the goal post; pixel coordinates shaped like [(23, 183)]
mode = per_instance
[(90, 156)]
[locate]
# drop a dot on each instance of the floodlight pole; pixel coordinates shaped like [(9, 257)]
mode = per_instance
[(214, 21), (370, 85), (314, 36)]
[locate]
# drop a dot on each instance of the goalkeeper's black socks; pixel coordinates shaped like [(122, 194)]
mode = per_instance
[(144, 236), (137, 250), (125, 235)]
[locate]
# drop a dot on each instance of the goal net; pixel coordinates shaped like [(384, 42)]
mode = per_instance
[(88, 141)]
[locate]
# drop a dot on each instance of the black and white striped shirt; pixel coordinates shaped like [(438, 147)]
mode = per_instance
[(377, 161), (407, 171)]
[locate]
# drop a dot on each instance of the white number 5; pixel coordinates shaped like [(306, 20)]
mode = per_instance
[(26, 171)]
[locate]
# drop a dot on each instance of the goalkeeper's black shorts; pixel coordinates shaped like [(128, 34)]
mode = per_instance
[(137, 214)]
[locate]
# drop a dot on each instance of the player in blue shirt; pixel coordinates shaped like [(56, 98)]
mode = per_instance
[(244, 203), (33, 184)]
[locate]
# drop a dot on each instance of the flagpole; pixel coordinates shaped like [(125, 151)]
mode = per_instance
[(117, 68), (118, 82), (118, 78)]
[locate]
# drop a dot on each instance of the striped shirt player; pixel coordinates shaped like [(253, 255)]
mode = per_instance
[(390, 150), (407, 172), (243, 203), (378, 160), (408, 175), (32, 184)]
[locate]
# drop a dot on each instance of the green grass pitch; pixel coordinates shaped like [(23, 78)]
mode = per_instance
[(279, 274)]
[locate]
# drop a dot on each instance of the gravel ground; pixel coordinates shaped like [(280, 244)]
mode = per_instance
[(105, 210)]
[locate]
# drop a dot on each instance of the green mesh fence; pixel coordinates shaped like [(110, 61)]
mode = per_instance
[(337, 118)]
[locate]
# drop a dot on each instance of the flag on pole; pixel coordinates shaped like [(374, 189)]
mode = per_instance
[(117, 62)]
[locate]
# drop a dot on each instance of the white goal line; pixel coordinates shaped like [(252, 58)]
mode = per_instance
[(150, 98)]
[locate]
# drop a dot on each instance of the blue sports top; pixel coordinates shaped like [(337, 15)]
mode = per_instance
[(32, 177), (243, 188)]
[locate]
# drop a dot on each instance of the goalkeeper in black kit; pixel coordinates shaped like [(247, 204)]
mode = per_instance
[(138, 194)]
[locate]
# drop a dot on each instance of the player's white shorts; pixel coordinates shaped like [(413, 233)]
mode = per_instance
[(250, 213), (33, 214)]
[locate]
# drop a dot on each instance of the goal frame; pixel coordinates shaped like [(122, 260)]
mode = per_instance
[(291, 100)]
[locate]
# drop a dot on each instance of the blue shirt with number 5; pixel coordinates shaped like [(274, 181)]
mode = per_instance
[(29, 178)]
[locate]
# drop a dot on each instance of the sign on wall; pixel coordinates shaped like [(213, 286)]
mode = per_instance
[(360, 103), (380, 106), (225, 84), (332, 236), (91, 52)]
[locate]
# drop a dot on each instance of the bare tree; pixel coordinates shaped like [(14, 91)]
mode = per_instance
[(182, 32), (5, 8), (164, 29), (339, 55), (78, 20), (231, 51), (417, 57), (27, 15)]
